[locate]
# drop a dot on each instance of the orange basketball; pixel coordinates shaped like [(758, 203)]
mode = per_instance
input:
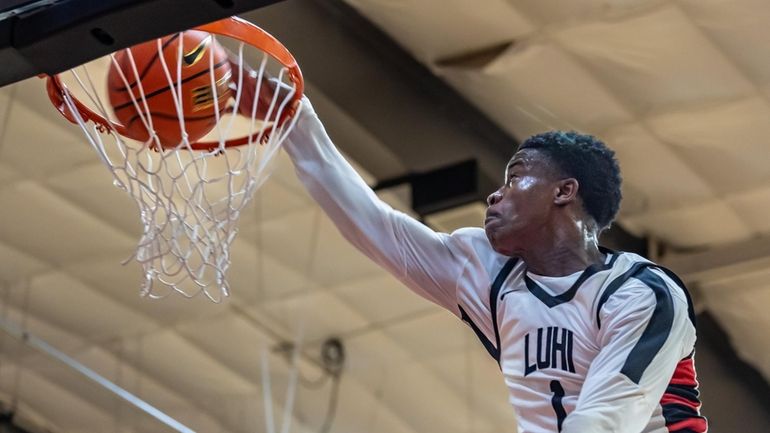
[(197, 92)]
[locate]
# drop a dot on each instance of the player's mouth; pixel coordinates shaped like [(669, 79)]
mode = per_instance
[(491, 216)]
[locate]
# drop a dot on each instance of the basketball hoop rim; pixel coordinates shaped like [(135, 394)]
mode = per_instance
[(233, 27)]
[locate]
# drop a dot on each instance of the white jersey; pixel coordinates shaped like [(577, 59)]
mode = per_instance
[(608, 349)]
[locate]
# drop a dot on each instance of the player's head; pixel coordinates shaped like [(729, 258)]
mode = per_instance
[(555, 178)]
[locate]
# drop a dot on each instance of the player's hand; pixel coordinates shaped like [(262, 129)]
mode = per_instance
[(267, 88)]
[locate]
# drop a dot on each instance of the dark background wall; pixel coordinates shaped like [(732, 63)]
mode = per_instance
[(736, 398)]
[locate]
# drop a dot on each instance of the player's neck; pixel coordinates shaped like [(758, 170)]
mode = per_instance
[(564, 251)]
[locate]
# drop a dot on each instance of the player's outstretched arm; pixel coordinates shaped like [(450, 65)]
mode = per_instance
[(645, 333), (429, 263), (421, 258)]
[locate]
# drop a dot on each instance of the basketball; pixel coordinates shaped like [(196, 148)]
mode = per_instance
[(147, 75)]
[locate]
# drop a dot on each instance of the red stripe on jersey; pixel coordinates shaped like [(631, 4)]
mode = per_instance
[(675, 399), (693, 424), (685, 373), (680, 403)]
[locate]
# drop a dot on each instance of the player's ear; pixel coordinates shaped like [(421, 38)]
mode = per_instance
[(566, 191)]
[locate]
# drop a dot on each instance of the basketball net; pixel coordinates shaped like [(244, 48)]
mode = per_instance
[(190, 196)]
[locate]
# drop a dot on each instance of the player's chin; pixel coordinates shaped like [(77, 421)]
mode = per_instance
[(496, 240)]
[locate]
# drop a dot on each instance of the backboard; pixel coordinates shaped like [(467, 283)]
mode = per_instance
[(50, 36)]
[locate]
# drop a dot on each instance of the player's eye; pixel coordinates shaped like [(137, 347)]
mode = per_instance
[(510, 180)]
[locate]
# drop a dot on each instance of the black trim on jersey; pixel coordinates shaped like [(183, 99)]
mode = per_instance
[(680, 283), (493, 352), (687, 392), (492, 348), (615, 285), (496, 286), (674, 413), (657, 330), (552, 301)]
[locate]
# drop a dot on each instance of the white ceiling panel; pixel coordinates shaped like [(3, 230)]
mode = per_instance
[(91, 187), (256, 276), (565, 12), (382, 298), (370, 415), (39, 222), (430, 336), (736, 26), (80, 309), (123, 284), (52, 148), (15, 264), (720, 141), (217, 336), (641, 59), (312, 317), (697, 225), (372, 354), (172, 360), (754, 207), (653, 169), (289, 239), (463, 26), (474, 374), (274, 199), (346, 264), (297, 240), (429, 405), (538, 97), (7, 173)]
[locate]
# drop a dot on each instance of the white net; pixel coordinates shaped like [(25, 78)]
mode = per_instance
[(189, 200)]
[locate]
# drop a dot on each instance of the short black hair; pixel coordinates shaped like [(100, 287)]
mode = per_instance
[(587, 159)]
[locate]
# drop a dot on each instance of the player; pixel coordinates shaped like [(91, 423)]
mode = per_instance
[(588, 340)]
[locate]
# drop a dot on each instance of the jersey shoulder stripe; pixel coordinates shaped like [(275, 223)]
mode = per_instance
[(657, 331), (618, 282), (615, 285)]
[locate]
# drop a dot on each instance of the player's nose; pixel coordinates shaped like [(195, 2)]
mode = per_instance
[(494, 198)]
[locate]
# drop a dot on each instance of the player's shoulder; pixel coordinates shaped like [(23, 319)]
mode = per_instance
[(472, 238), (471, 233), (640, 271), (474, 243), (636, 279)]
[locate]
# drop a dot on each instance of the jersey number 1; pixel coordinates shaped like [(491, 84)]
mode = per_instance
[(558, 407)]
